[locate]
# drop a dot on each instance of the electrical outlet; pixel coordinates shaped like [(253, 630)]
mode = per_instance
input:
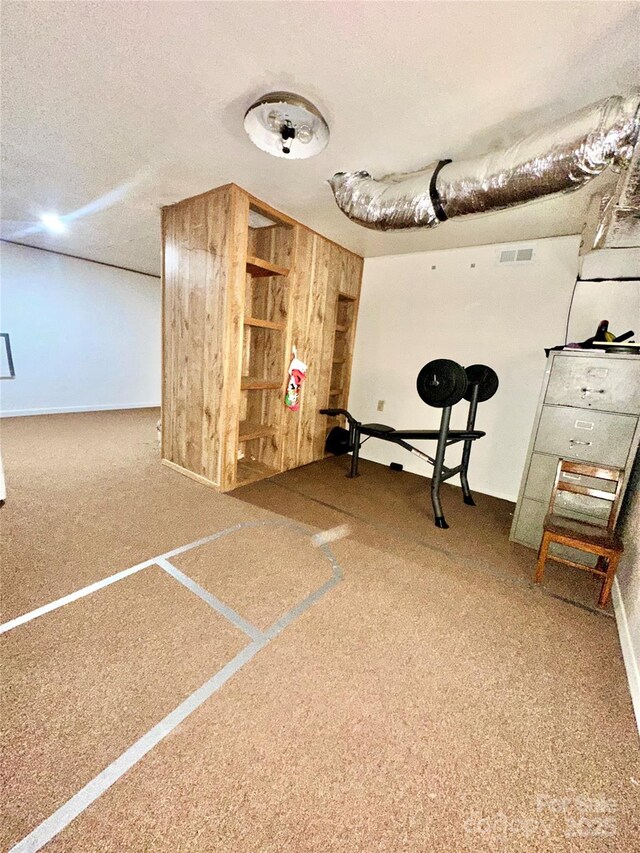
[(381, 405)]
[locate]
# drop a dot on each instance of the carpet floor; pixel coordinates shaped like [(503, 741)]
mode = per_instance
[(406, 690)]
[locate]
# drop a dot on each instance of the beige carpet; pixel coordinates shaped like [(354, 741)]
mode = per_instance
[(431, 700), (395, 508)]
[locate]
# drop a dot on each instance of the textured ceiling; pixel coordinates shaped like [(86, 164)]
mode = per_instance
[(114, 109)]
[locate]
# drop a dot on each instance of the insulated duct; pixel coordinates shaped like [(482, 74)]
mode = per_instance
[(619, 220), (560, 159)]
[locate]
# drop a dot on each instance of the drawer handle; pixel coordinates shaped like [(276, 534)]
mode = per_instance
[(575, 441), (587, 391)]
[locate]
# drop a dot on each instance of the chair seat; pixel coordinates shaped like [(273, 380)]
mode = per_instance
[(582, 531)]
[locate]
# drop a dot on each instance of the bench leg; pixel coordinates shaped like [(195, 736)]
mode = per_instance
[(355, 453), (605, 592), (467, 497), (542, 557), (438, 464), (464, 482), (466, 450)]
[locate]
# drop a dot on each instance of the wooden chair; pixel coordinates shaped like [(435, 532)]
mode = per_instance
[(592, 538)]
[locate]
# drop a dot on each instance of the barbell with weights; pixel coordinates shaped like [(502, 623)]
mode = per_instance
[(442, 383)]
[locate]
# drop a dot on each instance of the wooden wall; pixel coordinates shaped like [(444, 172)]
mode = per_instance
[(201, 329), (322, 270), (207, 296)]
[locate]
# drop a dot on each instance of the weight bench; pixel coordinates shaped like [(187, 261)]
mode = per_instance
[(476, 388)]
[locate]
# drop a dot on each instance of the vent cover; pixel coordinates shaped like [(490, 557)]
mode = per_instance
[(524, 255), (516, 256)]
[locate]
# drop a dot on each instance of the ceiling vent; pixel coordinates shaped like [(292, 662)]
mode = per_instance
[(516, 256)]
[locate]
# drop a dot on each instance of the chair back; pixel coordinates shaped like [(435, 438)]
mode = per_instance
[(569, 468)]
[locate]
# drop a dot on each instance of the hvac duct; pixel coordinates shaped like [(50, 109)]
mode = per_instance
[(619, 219), (560, 159)]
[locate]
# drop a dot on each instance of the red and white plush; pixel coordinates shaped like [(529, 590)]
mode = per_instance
[(297, 375)]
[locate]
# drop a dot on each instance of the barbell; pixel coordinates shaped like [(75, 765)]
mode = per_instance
[(443, 382)]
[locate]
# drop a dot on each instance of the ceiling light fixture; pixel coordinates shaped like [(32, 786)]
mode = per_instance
[(286, 125), (53, 223)]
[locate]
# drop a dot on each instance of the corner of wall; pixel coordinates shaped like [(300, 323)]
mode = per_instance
[(628, 652)]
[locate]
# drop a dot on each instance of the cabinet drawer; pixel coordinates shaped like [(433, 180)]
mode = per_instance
[(607, 384), (541, 477), (529, 531), (592, 436)]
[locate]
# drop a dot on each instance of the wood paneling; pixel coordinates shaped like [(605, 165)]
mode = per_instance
[(197, 279), (323, 270), (236, 300), (237, 221)]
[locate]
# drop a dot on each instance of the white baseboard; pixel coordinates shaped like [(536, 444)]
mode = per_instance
[(20, 413), (628, 653)]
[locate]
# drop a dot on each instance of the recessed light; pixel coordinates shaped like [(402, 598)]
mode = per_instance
[(53, 223)]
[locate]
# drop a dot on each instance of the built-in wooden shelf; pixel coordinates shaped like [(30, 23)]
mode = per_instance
[(335, 391), (249, 430), (253, 383), (339, 361), (263, 269), (341, 328), (250, 470), (278, 276), (264, 324)]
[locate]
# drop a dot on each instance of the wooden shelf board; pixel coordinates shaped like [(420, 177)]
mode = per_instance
[(335, 391), (263, 269), (249, 430), (339, 361), (253, 383), (250, 470), (264, 324), (341, 328)]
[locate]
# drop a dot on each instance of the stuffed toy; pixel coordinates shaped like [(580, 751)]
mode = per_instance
[(297, 375)]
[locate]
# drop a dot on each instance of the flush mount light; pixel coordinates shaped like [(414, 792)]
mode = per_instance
[(53, 223), (286, 125)]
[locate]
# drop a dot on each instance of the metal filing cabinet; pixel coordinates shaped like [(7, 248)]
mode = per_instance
[(589, 410)]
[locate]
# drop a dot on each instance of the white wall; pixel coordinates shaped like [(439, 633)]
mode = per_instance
[(626, 589), (84, 336), (615, 301), (502, 316)]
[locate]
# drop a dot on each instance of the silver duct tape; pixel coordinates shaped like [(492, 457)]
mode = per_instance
[(605, 213), (624, 230), (619, 220), (561, 159)]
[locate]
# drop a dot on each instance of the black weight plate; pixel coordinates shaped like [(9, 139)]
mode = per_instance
[(442, 383), (338, 442), (486, 378)]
